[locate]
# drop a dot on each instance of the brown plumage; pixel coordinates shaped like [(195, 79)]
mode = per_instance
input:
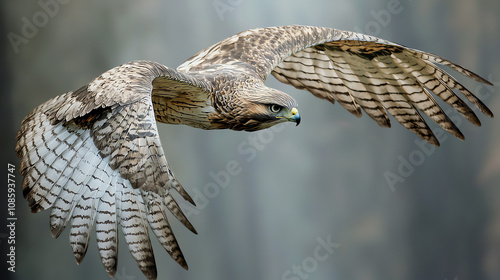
[(94, 155)]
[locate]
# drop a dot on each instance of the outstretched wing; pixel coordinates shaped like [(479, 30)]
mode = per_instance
[(94, 155), (356, 70)]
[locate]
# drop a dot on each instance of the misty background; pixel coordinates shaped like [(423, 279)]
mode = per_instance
[(393, 207)]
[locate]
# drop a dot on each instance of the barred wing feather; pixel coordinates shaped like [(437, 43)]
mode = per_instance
[(382, 77), (94, 157)]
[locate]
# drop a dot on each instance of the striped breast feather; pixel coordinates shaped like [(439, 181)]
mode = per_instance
[(382, 77), (104, 168)]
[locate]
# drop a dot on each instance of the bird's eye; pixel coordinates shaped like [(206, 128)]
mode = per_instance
[(275, 108)]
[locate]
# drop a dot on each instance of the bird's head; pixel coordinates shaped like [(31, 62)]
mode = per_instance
[(261, 108)]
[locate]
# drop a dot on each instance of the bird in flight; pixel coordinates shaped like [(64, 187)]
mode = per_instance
[(94, 155)]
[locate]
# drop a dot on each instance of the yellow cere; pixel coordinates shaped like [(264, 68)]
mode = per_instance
[(294, 111)]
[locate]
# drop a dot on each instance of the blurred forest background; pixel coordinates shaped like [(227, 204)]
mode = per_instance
[(299, 187)]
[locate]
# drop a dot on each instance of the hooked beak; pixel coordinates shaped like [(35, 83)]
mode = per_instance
[(295, 117)]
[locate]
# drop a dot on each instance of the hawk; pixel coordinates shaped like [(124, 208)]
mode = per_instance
[(94, 155)]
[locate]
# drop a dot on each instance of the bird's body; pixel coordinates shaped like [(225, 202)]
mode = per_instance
[(94, 155)]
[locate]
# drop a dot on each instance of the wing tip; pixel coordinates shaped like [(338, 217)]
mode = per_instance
[(487, 111), (173, 183), (483, 80), (459, 135), (78, 256), (111, 270), (434, 141), (183, 264), (150, 272), (56, 230)]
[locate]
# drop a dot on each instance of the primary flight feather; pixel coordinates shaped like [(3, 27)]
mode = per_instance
[(94, 155)]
